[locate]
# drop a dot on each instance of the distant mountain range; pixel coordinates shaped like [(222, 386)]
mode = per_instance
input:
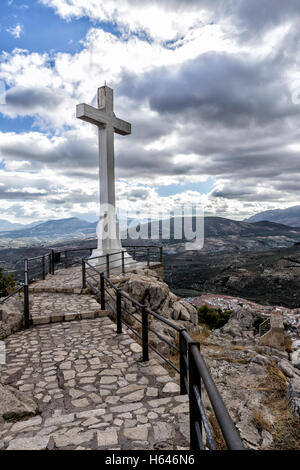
[(289, 216), (220, 234), (53, 229), (5, 225)]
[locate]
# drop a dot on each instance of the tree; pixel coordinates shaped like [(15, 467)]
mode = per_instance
[(213, 318), (7, 283)]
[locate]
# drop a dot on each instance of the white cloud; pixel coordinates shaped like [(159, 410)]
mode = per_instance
[(154, 18), (17, 165), (16, 31), (217, 134)]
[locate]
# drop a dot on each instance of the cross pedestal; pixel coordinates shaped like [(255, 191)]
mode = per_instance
[(109, 241)]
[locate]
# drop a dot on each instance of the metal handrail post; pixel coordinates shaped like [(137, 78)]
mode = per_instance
[(102, 291), (119, 312), (194, 379), (123, 262), (107, 265), (26, 296), (52, 259), (83, 274), (183, 363), (145, 334), (227, 426)]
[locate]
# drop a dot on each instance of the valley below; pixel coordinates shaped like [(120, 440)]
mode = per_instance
[(269, 277)]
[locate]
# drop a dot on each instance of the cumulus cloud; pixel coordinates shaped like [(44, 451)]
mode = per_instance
[(25, 100), (16, 31), (208, 86), (171, 19), (218, 87), (161, 20)]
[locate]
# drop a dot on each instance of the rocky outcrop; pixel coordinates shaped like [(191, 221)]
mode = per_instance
[(241, 325), (244, 374), (14, 404), (241, 308), (295, 358), (146, 287), (294, 396), (11, 317)]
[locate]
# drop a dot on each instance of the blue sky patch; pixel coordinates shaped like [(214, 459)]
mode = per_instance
[(41, 30), (18, 125), (201, 187)]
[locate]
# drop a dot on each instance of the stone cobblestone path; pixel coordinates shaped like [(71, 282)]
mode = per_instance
[(64, 280), (59, 307), (92, 390)]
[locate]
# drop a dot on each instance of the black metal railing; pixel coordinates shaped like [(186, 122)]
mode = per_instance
[(195, 376), (193, 371), (25, 288), (38, 267), (120, 261), (68, 258), (55, 259), (49, 262)]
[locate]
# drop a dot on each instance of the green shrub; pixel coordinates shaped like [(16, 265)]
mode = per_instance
[(7, 284), (213, 318)]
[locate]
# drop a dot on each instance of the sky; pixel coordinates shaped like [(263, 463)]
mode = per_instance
[(211, 88)]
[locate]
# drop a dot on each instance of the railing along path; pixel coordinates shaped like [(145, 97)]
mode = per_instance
[(194, 374)]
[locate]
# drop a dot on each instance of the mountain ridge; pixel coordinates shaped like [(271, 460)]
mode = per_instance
[(289, 216), (52, 227)]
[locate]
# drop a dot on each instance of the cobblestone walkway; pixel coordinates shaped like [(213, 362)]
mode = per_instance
[(58, 307), (65, 280), (91, 388)]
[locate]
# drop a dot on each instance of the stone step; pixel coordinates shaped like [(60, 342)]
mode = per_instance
[(37, 289), (59, 307), (66, 317), (152, 424)]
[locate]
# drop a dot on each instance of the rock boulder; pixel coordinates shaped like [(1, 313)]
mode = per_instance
[(14, 404), (294, 396), (11, 317), (147, 288)]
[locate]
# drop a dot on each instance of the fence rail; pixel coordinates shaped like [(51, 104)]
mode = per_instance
[(194, 375), (38, 267), (2, 301), (36, 264), (55, 259), (25, 288)]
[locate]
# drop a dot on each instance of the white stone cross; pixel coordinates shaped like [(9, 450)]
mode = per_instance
[(104, 117)]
